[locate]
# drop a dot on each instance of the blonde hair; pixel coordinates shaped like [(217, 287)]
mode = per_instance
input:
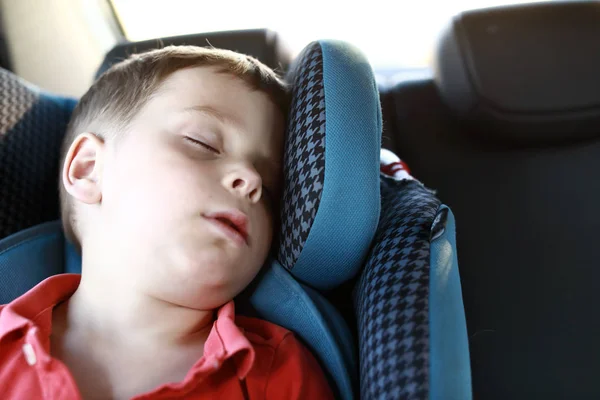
[(114, 99)]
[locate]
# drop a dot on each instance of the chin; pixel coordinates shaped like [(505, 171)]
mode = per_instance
[(214, 271), (198, 297), (194, 259)]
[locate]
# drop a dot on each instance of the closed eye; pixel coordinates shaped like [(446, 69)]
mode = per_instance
[(197, 142)]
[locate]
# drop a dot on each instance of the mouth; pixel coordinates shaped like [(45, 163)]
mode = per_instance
[(232, 223)]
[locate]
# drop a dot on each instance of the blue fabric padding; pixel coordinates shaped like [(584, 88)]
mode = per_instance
[(348, 214), (72, 259), (450, 369), (279, 298), (28, 257), (65, 103)]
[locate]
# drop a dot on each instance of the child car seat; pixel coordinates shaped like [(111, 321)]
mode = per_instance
[(411, 327)]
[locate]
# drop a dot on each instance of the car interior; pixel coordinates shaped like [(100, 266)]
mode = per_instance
[(437, 224)]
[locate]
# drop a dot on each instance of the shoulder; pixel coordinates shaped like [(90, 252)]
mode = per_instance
[(261, 332), (284, 364)]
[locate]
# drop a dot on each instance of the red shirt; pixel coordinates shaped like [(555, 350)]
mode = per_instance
[(241, 355)]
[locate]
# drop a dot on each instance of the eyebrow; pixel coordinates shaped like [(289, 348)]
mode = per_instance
[(214, 113)]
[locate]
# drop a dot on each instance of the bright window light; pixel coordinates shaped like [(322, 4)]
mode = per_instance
[(392, 34)]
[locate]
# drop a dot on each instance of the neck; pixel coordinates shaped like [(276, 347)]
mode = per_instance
[(108, 308)]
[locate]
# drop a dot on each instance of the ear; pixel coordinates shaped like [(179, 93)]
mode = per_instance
[(82, 168)]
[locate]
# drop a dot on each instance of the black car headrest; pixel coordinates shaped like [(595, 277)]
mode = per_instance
[(262, 44), (526, 73)]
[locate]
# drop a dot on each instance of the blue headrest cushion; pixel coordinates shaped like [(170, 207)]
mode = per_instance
[(331, 200)]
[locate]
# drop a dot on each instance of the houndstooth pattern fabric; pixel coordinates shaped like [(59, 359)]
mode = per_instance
[(391, 296), (32, 127), (304, 158)]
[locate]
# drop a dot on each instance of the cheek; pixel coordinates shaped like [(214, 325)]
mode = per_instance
[(264, 234), (134, 193), (157, 188)]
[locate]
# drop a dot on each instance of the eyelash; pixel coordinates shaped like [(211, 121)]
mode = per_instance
[(202, 144), (196, 142)]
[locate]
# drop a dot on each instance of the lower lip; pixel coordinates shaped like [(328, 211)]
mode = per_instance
[(228, 231)]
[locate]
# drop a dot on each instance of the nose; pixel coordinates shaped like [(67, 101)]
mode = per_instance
[(245, 182)]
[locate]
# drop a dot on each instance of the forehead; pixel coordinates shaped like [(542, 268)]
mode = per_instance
[(251, 112), (209, 87)]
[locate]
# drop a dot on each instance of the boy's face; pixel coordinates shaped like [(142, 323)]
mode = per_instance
[(204, 152)]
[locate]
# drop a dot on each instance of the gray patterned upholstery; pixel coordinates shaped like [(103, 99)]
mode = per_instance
[(17, 99), (391, 296), (304, 158), (32, 125)]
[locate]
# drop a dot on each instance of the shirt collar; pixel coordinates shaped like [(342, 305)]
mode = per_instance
[(28, 310), (226, 340)]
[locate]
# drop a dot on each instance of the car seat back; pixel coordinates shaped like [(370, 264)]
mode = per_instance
[(262, 44), (32, 124), (507, 134)]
